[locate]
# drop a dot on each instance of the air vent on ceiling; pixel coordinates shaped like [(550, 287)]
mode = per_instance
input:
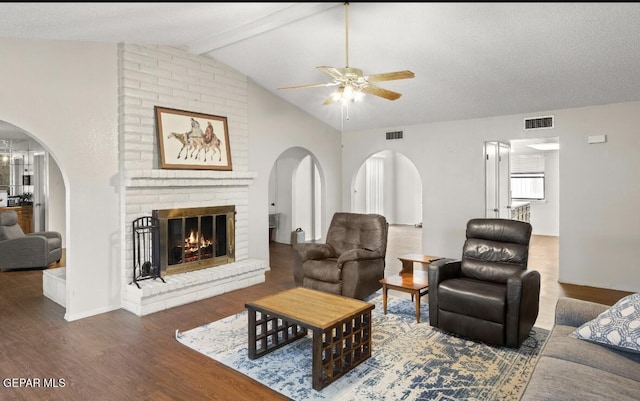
[(394, 135), (538, 123)]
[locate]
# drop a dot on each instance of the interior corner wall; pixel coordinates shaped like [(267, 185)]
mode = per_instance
[(407, 192), (303, 185), (389, 185), (359, 195), (598, 202), (65, 95), (274, 127), (545, 218), (56, 213)]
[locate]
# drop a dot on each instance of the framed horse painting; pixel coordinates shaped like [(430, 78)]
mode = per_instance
[(192, 141)]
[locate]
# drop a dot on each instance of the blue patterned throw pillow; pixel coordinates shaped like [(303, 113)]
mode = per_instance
[(617, 327)]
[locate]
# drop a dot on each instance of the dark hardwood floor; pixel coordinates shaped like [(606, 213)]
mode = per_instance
[(120, 356)]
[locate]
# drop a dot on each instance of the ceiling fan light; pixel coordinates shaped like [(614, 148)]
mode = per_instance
[(358, 95), (348, 92)]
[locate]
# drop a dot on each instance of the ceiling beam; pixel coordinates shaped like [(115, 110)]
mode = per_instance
[(272, 21)]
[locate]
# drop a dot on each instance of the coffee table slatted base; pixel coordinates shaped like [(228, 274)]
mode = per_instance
[(268, 333), (342, 347), (341, 329)]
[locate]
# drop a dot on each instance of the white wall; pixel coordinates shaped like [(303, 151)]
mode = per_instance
[(274, 127), (598, 207), (599, 217), (65, 95)]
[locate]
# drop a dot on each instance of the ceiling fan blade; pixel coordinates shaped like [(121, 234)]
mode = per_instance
[(384, 93), (333, 72), (328, 100), (311, 86), (342, 74), (390, 76)]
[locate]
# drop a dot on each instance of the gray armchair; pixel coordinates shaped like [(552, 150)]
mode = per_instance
[(351, 262), (20, 251), (489, 295)]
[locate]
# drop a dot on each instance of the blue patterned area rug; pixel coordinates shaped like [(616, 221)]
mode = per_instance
[(409, 361)]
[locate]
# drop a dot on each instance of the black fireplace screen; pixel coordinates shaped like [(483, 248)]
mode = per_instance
[(195, 238)]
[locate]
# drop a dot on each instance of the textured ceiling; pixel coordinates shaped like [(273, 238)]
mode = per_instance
[(470, 59)]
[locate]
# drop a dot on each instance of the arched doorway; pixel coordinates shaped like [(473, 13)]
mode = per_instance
[(296, 196), (388, 183), (32, 170), (30, 177)]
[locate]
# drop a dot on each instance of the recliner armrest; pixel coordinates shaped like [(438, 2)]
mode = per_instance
[(441, 270), (47, 234), (314, 251), (523, 305), (26, 242), (357, 254), (520, 281)]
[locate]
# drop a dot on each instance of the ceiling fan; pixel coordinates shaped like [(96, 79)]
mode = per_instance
[(351, 83)]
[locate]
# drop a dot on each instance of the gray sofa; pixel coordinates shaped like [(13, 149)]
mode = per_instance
[(574, 369)]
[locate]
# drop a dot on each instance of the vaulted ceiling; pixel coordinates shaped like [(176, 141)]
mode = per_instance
[(470, 59)]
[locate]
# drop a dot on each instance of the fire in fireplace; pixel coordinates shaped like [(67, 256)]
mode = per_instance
[(195, 238)]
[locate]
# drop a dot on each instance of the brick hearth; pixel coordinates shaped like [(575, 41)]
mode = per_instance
[(180, 289)]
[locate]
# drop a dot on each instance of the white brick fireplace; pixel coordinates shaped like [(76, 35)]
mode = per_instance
[(168, 77)]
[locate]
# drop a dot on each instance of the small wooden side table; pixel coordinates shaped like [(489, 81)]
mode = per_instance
[(416, 284), (408, 260)]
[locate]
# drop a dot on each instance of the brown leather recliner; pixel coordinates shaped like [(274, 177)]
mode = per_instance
[(351, 262), (489, 295)]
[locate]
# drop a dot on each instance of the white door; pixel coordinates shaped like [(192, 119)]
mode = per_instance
[(39, 192), (497, 181), (504, 181)]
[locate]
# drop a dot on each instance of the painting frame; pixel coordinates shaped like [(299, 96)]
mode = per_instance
[(192, 141)]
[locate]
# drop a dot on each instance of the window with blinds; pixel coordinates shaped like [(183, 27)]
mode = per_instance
[(527, 177)]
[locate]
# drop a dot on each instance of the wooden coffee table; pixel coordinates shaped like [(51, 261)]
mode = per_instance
[(341, 329), (417, 284)]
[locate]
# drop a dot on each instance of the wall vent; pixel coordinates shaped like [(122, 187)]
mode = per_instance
[(394, 135), (538, 123)]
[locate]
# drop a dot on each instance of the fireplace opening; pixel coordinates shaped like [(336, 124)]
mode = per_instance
[(195, 238)]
